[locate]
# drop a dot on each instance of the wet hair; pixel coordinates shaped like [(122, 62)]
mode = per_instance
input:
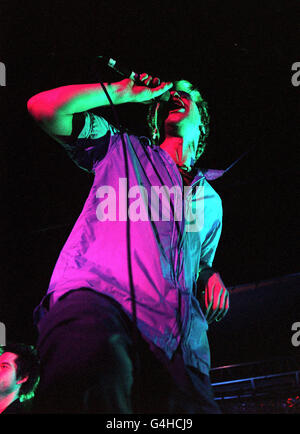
[(158, 110), (27, 362)]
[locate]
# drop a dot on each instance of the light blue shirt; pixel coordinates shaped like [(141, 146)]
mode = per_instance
[(167, 249)]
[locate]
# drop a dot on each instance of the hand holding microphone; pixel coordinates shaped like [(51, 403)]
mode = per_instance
[(158, 91), (143, 87)]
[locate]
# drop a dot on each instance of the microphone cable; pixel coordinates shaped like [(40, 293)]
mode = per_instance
[(128, 233)]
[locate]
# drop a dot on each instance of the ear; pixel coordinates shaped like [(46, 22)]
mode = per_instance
[(23, 380)]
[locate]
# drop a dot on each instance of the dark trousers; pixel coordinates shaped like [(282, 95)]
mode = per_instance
[(93, 362)]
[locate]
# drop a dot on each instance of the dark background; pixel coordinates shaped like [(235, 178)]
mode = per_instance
[(239, 53)]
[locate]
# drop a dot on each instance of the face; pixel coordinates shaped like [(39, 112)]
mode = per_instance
[(8, 374), (183, 120)]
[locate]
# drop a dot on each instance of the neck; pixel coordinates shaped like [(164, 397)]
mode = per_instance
[(179, 151), (6, 400)]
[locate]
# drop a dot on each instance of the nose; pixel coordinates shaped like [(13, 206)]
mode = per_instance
[(168, 95)]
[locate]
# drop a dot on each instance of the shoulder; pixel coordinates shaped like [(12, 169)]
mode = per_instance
[(212, 201), (209, 192)]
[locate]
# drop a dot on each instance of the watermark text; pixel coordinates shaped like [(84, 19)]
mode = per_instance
[(162, 203), (296, 336), (2, 74), (2, 334), (295, 79)]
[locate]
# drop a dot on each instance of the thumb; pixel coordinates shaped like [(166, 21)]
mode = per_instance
[(162, 88)]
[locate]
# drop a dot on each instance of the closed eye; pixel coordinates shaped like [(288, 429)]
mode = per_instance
[(5, 365)]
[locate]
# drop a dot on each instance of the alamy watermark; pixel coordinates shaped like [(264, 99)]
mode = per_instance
[(296, 336), (295, 79), (156, 206), (2, 334), (2, 74)]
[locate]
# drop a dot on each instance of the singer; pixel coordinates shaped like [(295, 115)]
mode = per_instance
[(123, 326)]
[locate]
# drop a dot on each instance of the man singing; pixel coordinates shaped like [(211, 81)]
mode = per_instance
[(122, 328)]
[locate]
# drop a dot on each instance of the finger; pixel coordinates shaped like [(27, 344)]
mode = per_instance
[(208, 302), (216, 305), (222, 303), (222, 307), (226, 308), (143, 76), (213, 300), (162, 88), (148, 80), (156, 81), (227, 304)]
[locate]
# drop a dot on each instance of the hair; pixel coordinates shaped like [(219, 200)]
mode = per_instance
[(28, 364), (155, 116)]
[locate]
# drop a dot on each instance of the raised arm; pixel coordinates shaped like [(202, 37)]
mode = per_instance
[(54, 109)]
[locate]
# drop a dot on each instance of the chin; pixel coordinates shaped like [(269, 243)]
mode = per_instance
[(175, 117)]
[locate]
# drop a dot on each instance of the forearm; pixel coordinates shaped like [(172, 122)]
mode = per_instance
[(76, 98), (54, 109)]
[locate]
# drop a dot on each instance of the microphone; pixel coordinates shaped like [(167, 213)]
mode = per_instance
[(126, 72), (118, 67)]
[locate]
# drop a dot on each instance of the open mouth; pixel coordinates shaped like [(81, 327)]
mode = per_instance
[(176, 105)]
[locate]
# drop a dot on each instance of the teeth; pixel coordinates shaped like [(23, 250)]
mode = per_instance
[(177, 101), (178, 104)]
